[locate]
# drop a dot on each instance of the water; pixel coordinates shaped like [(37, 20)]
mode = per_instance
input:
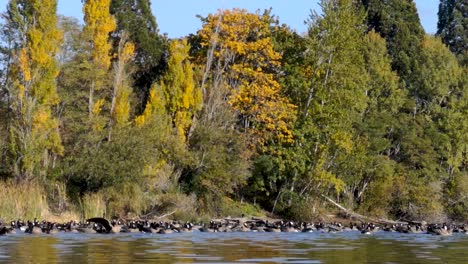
[(346, 247)]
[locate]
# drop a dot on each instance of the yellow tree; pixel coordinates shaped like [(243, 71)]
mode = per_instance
[(99, 23), (120, 105), (243, 45), (34, 135), (177, 93)]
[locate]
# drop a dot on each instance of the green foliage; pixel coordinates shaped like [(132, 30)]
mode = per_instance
[(248, 115), (135, 18), (337, 96), (385, 17), (452, 27), (33, 137), (234, 208), (220, 166)]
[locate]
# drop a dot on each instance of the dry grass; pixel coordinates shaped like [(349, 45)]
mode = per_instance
[(62, 217), (93, 205), (24, 201)]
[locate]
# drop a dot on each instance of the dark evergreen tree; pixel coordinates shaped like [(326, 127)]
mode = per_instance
[(398, 22), (453, 27), (136, 18)]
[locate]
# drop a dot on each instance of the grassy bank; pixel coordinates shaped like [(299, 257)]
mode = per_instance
[(32, 200), (25, 201)]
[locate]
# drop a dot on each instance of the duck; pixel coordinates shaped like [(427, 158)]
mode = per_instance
[(415, 229), (50, 228), (187, 228), (167, 228), (444, 230), (272, 227), (136, 227), (19, 224), (464, 229), (369, 229), (147, 227), (4, 230), (320, 227), (308, 228), (108, 228), (335, 227), (389, 228), (86, 228), (33, 228), (289, 228), (211, 228)]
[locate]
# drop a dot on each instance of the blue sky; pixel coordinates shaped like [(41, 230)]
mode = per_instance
[(177, 17)]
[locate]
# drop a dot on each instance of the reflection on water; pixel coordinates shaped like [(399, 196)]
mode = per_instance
[(234, 248)]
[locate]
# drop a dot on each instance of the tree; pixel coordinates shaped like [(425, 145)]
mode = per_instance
[(294, 69), (422, 141), (33, 130), (120, 103), (397, 21), (443, 85), (182, 97), (244, 47), (135, 18), (452, 27), (98, 25), (373, 191), (337, 95)]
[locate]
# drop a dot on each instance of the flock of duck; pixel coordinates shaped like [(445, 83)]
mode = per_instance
[(101, 225)]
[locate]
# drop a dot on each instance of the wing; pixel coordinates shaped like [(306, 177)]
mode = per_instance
[(101, 221)]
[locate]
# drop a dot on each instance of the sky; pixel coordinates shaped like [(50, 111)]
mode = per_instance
[(178, 18)]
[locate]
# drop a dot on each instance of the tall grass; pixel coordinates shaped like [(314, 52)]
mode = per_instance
[(93, 205), (24, 201)]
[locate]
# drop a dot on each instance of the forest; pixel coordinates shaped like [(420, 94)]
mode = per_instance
[(111, 118)]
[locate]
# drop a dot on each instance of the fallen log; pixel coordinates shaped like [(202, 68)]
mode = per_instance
[(351, 214), (166, 215)]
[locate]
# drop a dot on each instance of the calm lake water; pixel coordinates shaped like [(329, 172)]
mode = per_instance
[(346, 247)]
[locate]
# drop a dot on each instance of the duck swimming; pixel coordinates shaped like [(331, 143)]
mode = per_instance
[(108, 228)]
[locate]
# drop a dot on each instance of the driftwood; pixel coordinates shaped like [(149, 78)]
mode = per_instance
[(166, 215), (151, 216), (360, 217)]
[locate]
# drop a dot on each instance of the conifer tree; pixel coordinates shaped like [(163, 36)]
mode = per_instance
[(136, 18), (452, 27), (398, 22)]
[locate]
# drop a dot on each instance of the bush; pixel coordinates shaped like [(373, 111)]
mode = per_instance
[(229, 207)]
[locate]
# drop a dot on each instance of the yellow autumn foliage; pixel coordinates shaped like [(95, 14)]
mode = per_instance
[(99, 23), (23, 62), (120, 110), (155, 107), (176, 97), (97, 107), (35, 133), (245, 45)]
